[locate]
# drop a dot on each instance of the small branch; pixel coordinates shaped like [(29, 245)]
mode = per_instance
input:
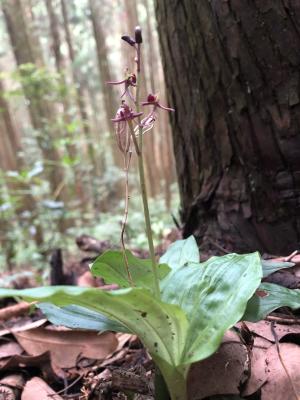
[(283, 320)]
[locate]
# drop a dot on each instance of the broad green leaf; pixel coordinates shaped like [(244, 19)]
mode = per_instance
[(77, 317), (269, 266), (181, 253), (268, 298), (214, 296), (161, 327), (111, 267)]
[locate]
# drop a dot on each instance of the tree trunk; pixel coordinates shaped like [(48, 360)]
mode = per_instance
[(79, 92), (42, 111), (232, 72), (82, 190)]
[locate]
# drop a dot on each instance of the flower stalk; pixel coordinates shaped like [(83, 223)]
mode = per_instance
[(125, 130)]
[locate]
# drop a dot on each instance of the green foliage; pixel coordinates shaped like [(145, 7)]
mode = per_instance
[(38, 83), (110, 266), (199, 302), (213, 296), (77, 317), (268, 298), (269, 266), (181, 252)]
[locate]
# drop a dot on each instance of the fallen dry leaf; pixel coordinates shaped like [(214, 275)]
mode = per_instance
[(263, 329), (222, 373), (11, 386), (14, 311), (10, 349), (21, 324), (66, 346), (88, 280), (278, 385), (21, 361), (37, 389), (258, 374)]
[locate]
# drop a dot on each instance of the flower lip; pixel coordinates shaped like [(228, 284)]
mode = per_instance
[(153, 100), (125, 113)]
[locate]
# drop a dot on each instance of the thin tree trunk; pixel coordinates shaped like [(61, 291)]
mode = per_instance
[(79, 91), (111, 102), (83, 191)]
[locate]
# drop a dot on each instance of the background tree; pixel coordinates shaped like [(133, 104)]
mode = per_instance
[(232, 72)]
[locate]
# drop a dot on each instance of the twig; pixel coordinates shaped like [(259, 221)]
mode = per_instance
[(218, 246), (67, 387), (291, 256), (283, 320), (282, 362)]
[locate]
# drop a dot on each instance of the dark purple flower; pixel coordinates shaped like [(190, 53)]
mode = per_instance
[(125, 113), (122, 131), (153, 100), (130, 80)]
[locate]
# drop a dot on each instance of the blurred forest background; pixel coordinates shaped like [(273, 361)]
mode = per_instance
[(61, 172)]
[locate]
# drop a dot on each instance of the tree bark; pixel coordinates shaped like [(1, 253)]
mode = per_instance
[(232, 72)]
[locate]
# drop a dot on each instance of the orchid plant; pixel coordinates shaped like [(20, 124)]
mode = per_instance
[(178, 306)]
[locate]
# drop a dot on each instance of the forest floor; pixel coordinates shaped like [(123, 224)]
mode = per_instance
[(256, 361)]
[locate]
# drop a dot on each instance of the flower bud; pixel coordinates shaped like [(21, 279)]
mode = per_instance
[(138, 35), (128, 40)]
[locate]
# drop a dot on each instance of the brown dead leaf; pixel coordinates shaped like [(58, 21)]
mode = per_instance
[(14, 311), (21, 361), (11, 386), (13, 380), (221, 373), (258, 366), (88, 280), (10, 349), (278, 385), (66, 346), (21, 324), (263, 329), (37, 389), (294, 259)]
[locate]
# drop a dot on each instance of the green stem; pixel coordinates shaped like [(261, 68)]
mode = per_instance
[(175, 381), (146, 210), (139, 150), (148, 222)]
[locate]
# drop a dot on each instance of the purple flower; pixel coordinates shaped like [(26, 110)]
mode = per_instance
[(125, 113), (153, 100), (148, 122), (130, 80), (123, 135)]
